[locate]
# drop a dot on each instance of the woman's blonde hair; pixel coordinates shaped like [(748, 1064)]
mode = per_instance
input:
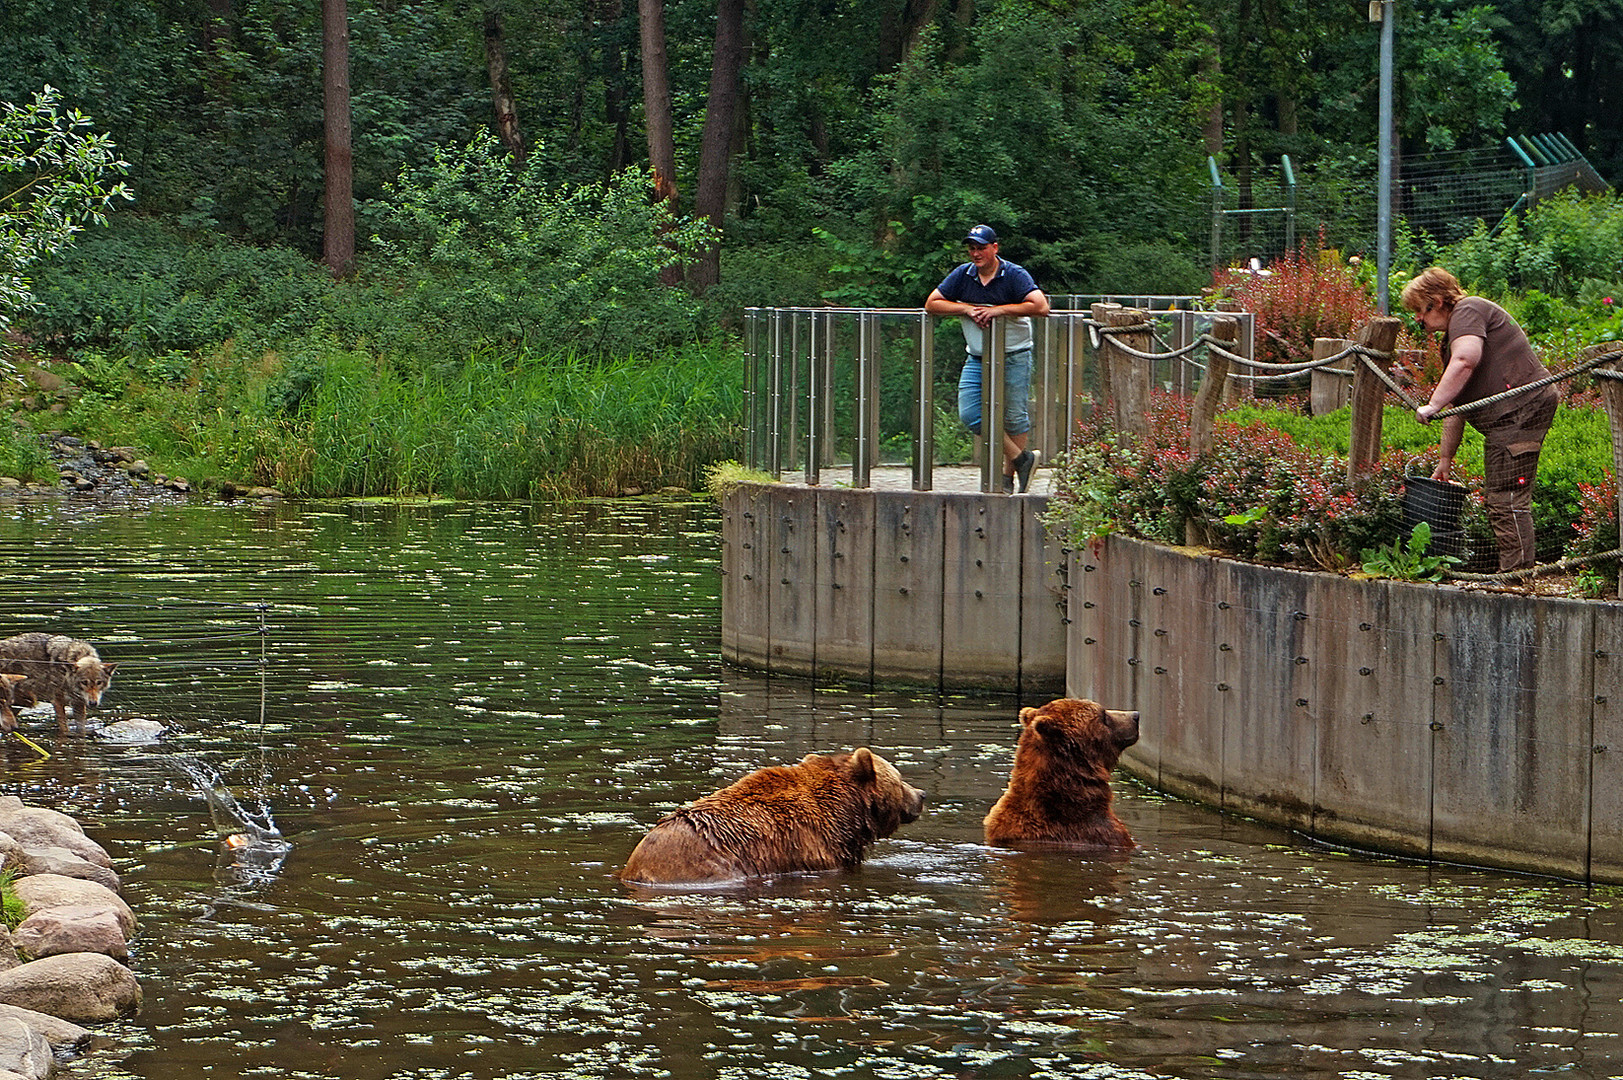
[(1433, 285)]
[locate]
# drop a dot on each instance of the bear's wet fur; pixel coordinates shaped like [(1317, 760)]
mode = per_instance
[(1059, 786), (820, 814)]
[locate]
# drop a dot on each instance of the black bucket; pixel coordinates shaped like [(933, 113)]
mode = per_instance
[(1438, 503)]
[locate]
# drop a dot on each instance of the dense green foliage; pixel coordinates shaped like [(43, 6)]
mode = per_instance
[(868, 136), (1080, 129), (322, 420)]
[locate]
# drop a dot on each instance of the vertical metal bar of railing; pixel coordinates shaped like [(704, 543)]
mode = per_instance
[(797, 398), (815, 404), (752, 420), (862, 451), (1044, 393), (924, 406), (775, 395), (992, 395), (1182, 328), (825, 361), (1076, 386)]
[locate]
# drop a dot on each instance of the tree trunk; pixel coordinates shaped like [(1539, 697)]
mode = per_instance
[(338, 230), (715, 149), (900, 24), (1211, 73), (501, 88), (656, 107), (615, 110)]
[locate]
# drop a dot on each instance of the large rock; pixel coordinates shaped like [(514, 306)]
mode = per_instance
[(39, 892), (11, 806), (12, 854), (61, 1034), (24, 1052), (72, 928), (37, 827), (87, 988), (59, 860)]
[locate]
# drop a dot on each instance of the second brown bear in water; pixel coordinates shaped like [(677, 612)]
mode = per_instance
[(818, 815), (1059, 787)]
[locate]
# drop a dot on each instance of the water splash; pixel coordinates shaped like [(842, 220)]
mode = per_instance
[(252, 847)]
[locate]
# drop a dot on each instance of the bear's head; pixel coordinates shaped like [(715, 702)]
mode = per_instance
[(891, 801), (1078, 730)]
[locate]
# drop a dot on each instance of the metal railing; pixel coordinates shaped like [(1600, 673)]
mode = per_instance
[(860, 387)]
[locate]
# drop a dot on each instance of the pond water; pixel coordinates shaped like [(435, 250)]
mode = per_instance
[(462, 718)]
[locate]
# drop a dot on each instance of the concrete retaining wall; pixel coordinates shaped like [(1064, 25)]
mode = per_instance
[(1425, 720), (954, 590)]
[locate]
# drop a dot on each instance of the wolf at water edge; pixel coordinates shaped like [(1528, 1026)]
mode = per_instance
[(65, 671)]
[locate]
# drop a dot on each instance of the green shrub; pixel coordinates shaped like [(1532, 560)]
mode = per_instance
[(478, 254), (1158, 268), (1562, 242), (11, 905), (141, 288), (23, 456)]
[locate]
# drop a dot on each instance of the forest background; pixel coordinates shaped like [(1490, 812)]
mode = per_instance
[(561, 209)]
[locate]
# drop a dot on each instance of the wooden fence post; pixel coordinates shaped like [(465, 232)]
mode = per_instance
[(1369, 394), (1130, 377), (1105, 354), (1210, 394), (1231, 387), (1328, 392)]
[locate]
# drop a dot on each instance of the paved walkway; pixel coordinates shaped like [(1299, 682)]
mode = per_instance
[(957, 479)]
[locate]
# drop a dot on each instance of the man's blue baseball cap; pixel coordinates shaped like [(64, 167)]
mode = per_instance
[(981, 234)]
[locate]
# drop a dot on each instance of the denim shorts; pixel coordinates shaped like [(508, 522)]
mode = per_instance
[(1016, 393)]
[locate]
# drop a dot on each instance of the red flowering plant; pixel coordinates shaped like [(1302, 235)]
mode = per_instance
[(1300, 296), (1596, 530), (1257, 494), (1310, 294)]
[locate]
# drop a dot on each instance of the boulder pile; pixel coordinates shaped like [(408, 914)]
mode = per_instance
[(66, 963)]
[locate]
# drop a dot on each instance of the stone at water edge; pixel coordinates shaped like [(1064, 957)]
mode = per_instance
[(70, 929), (24, 1052), (39, 892), (58, 860), (86, 988)]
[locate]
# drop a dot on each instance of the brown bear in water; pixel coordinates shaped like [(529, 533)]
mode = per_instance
[(817, 815), (1059, 788)]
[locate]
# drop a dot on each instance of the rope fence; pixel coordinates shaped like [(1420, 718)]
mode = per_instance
[(816, 393), (1373, 363)]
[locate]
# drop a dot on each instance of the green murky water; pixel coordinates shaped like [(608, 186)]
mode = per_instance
[(463, 718)]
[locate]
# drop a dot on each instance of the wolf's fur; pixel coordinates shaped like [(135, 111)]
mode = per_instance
[(8, 719), (62, 670)]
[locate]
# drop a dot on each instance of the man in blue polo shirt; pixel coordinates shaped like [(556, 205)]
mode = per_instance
[(982, 289)]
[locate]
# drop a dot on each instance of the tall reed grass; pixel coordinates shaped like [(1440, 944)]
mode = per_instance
[(506, 427), (324, 421)]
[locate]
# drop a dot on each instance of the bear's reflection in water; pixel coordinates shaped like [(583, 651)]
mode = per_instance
[(1057, 886)]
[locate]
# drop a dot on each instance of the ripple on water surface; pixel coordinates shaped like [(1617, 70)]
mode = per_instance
[(464, 717)]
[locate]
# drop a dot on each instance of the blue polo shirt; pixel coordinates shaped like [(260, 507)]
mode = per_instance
[(1010, 285)]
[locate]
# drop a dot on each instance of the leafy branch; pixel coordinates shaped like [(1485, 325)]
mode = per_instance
[(65, 182)]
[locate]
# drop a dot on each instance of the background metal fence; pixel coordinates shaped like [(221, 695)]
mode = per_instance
[(855, 388)]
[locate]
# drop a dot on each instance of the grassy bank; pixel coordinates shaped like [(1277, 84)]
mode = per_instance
[(498, 369), (335, 421)]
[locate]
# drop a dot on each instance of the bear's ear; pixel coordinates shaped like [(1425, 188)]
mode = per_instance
[(1048, 728), (862, 766), (1026, 715)]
